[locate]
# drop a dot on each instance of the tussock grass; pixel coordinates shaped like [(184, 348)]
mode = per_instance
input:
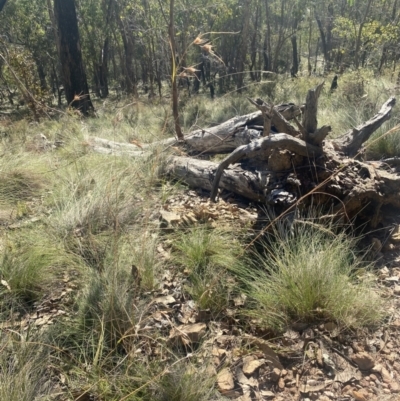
[(206, 255), (144, 258), (107, 306), (308, 273), (19, 185), (185, 382), (29, 264), (384, 146), (21, 178), (23, 369), (103, 192)]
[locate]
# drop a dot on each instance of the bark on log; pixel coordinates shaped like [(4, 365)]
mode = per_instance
[(272, 116), (106, 146), (262, 147), (267, 113), (200, 174), (351, 142), (282, 125)]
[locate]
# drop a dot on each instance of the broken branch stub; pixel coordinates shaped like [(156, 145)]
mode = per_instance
[(351, 142), (310, 122), (267, 113)]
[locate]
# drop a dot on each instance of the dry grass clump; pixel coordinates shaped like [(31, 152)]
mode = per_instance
[(382, 146), (28, 265), (100, 198), (206, 255), (185, 382), (19, 185), (308, 273), (23, 366)]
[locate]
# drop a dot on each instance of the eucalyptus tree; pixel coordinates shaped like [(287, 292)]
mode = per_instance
[(73, 72)]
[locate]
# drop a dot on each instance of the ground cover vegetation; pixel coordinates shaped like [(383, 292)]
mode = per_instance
[(120, 284)]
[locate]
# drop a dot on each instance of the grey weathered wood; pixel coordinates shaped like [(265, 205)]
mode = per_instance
[(200, 174), (105, 146), (310, 122), (282, 125), (267, 113), (319, 135), (351, 142), (262, 147), (272, 116)]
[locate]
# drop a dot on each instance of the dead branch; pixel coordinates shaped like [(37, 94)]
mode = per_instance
[(351, 142)]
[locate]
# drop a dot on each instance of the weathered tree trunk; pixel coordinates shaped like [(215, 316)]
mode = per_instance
[(73, 72)]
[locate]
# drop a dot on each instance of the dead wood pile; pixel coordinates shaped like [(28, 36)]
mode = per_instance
[(278, 156)]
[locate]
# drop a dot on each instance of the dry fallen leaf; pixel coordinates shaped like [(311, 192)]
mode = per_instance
[(359, 395), (225, 381), (5, 284), (189, 333), (312, 386)]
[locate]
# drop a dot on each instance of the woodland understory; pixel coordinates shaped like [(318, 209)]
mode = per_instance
[(199, 201)]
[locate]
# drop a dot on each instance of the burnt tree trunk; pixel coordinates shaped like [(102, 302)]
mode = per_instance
[(295, 57), (73, 72), (2, 4)]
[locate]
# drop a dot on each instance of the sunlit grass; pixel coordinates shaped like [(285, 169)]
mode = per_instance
[(309, 273)]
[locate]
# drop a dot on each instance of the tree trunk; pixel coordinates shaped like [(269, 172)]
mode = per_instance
[(267, 40), (295, 57), (129, 46), (103, 70), (174, 70), (359, 35), (73, 72), (242, 51), (2, 4), (253, 56)]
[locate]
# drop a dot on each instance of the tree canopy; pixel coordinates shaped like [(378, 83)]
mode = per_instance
[(125, 45)]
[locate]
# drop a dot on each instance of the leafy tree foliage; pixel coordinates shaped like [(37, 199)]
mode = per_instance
[(126, 47)]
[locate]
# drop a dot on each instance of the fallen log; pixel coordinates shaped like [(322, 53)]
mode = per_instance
[(263, 147), (280, 168)]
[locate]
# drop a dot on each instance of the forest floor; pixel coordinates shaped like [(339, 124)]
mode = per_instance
[(117, 284)]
